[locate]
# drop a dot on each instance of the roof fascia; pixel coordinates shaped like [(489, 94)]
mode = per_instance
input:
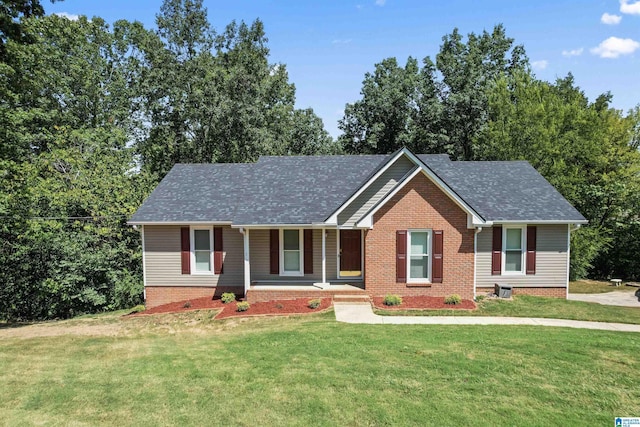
[(178, 222)]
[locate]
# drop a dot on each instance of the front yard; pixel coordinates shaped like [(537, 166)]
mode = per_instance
[(529, 306), (187, 369)]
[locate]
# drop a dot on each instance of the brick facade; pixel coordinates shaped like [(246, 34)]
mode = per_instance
[(419, 205), (159, 295)]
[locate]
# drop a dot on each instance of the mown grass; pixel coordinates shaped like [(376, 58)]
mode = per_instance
[(597, 287), (190, 370), (529, 306)]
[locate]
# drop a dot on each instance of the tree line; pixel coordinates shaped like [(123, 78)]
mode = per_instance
[(93, 115)]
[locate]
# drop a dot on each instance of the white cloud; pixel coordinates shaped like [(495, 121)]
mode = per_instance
[(572, 52), (610, 19), (630, 8), (614, 47), (380, 2), (540, 65), (69, 16), (341, 41)]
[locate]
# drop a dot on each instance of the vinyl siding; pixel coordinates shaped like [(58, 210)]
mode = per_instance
[(163, 265), (376, 191), (551, 260), (259, 256)]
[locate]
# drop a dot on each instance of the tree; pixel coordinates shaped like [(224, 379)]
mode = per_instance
[(69, 109), (585, 149), (439, 108), (216, 98)]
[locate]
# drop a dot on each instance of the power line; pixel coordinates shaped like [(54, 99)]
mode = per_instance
[(45, 218)]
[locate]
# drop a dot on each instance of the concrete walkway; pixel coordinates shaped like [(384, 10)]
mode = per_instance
[(363, 313), (620, 298)]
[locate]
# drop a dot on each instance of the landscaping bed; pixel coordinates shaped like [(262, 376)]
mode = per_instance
[(423, 303), (282, 307)]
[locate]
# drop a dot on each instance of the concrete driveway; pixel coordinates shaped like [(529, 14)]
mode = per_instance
[(626, 299)]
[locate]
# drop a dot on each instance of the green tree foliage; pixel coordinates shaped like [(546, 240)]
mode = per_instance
[(68, 179), (216, 98), (437, 108), (91, 116), (585, 149)]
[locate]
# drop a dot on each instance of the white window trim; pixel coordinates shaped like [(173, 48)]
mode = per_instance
[(429, 255), (192, 243), (300, 272), (523, 251)]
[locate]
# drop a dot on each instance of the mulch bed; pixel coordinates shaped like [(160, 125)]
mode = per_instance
[(283, 307), (424, 303)]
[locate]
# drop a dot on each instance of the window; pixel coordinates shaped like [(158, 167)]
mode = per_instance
[(419, 249), (202, 250), (513, 244), (291, 253)]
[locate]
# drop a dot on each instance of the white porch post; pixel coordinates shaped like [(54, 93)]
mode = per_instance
[(324, 256), (247, 264)]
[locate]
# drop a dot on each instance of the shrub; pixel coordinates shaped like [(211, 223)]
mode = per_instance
[(314, 303), (479, 298), (187, 304), (279, 306), (243, 306), (228, 297), (453, 299), (392, 300)]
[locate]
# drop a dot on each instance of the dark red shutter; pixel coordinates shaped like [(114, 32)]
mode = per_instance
[(531, 249), (217, 250), (185, 247), (274, 251), (308, 251), (496, 251), (401, 256), (436, 266)]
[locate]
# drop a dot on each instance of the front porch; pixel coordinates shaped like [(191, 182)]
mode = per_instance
[(289, 262)]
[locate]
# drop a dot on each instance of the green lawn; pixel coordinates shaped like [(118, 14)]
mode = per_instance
[(528, 306), (190, 370), (597, 287)]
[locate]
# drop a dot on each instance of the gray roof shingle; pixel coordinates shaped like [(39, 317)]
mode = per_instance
[(308, 189)]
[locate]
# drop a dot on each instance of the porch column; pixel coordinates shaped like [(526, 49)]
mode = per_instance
[(247, 265), (324, 256)]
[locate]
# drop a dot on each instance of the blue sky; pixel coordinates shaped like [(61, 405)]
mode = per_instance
[(328, 46)]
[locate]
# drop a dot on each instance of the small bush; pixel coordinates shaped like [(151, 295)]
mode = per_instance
[(243, 306), (392, 300), (453, 299), (479, 298), (187, 304), (228, 297), (314, 303), (279, 306)]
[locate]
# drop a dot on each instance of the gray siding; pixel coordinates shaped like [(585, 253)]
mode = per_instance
[(376, 191), (551, 259), (163, 263), (259, 256)]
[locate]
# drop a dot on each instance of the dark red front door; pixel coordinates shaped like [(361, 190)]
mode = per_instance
[(350, 251)]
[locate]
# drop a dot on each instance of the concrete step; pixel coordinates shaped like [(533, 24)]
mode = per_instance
[(352, 299)]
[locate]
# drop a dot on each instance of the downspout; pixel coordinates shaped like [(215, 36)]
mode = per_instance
[(247, 265), (475, 259), (569, 230), (144, 267)]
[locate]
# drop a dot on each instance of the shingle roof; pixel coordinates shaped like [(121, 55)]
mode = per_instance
[(308, 189), (506, 191)]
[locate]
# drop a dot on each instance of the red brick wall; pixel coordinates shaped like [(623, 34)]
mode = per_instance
[(539, 292), (159, 295), (420, 204)]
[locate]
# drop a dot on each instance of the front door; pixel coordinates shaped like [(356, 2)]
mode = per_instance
[(350, 253)]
